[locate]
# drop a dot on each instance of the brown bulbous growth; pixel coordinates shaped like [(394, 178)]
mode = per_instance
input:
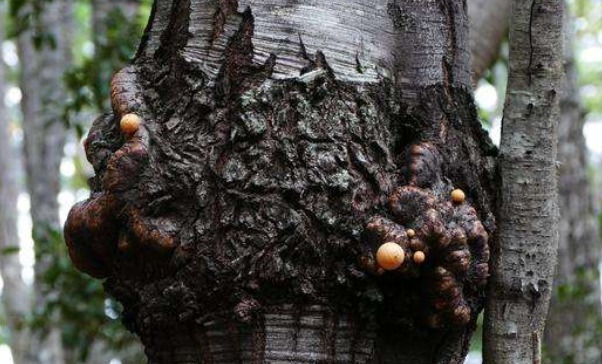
[(450, 233), (240, 191), (90, 233), (112, 222)]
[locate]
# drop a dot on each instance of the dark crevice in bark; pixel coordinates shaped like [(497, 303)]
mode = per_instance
[(250, 207), (532, 12), (176, 35), (145, 37)]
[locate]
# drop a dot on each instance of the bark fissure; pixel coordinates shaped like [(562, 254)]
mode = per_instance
[(261, 156), (525, 258), (531, 15)]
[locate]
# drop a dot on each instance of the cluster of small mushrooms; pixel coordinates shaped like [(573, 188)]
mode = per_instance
[(434, 236)]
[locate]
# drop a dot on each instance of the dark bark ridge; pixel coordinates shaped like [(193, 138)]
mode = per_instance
[(235, 216)]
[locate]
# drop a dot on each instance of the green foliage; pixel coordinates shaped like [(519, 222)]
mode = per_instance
[(73, 301), (84, 312), (25, 15), (89, 83), (10, 250), (580, 291), (588, 21)]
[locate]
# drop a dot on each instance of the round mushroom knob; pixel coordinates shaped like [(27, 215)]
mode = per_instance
[(458, 196), (390, 256)]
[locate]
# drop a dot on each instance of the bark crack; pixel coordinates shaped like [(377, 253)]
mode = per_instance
[(531, 17)]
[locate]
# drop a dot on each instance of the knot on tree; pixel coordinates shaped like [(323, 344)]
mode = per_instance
[(433, 242), (113, 218)]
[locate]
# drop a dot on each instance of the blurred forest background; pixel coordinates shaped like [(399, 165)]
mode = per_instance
[(56, 61)]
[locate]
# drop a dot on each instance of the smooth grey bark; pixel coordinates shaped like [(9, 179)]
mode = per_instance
[(572, 333), (41, 81), (488, 26), (233, 222), (16, 295), (524, 259)]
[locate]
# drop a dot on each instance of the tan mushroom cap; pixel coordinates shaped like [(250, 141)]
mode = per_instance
[(130, 123), (390, 256), (458, 196)]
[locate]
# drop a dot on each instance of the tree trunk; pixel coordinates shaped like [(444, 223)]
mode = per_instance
[(524, 259), (259, 154), (15, 293), (42, 69), (571, 335), (488, 26)]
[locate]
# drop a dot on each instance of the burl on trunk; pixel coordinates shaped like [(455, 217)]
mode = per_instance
[(259, 155)]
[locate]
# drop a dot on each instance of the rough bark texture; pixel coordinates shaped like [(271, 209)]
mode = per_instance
[(524, 258), (16, 296), (280, 144), (572, 331), (488, 26), (42, 70)]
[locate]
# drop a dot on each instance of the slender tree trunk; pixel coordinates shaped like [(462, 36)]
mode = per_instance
[(524, 260), (44, 138), (16, 295), (571, 334), (488, 27), (277, 145)]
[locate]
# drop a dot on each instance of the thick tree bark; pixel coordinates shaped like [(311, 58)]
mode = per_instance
[(524, 259), (488, 26), (44, 130), (277, 146), (16, 295), (570, 331)]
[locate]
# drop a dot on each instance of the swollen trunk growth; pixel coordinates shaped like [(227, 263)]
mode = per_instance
[(258, 156)]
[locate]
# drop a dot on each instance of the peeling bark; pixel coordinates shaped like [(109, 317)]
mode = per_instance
[(524, 259), (239, 221), (44, 138)]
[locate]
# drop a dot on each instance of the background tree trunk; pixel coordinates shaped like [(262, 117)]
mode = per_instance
[(571, 332), (44, 138), (104, 15), (525, 259), (16, 296), (101, 9), (239, 221), (488, 27)]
